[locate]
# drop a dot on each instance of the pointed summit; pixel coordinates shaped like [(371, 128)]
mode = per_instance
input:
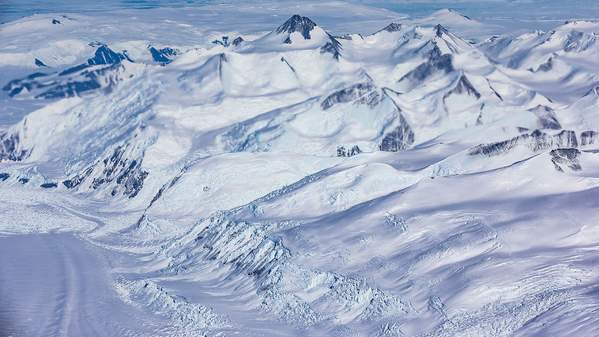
[(392, 27), (299, 24), (105, 55), (440, 30)]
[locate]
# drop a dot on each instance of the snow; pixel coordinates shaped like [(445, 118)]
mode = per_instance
[(327, 175)]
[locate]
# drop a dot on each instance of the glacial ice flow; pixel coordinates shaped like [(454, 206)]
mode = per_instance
[(170, 173)]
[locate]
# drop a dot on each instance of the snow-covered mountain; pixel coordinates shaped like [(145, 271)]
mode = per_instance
[(294, 181)]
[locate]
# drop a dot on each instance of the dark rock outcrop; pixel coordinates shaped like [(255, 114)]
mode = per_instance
[(49, 185), (588, 137), (77, 179), (579, 41), (436, 63), (462, 87), (392, 27), (105, 55), (163, 56), (332, 47), (535, 141), (399, 138), (72, 81), (4, 176), (566, 158), (342, 151), (119, 171), (39, 63), (440, 31), (547, 117), (238, 40), (127, 174), (361, 93), (299, 24), (223, 41), (543, 67), (10, 147)]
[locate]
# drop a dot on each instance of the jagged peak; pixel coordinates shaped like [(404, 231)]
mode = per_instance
[(105, 55), (392, 27), (440, 30), (299, 24), (39, 63)]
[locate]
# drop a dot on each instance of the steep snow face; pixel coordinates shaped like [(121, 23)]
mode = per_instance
[(298, 32), (290, 181)]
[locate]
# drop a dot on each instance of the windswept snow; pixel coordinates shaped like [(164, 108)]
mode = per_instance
[(321, 170)]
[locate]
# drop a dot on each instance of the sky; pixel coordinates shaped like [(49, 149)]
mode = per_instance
[(529, 13)]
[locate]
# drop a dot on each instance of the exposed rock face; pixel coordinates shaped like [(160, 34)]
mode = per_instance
[(163, 56), (547, 117), (17, 86), (440, 30), (361, 93), (588, 137), (332, 47), (305, 26), (4, 176), (105, 55), (566, 158), (224, 41), (342, 151), (123, 174), (39, 63), (462, 87), (78, 179), (68, 83), (579, 41), (128, 174), (392, 27), (72, 81), (399, 138), (10, 148), (299, 24), (437, 62), (238, 40), (535, 141), (49, 185), (544, 67)]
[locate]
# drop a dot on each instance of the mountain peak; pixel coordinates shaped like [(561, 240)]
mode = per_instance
[(297, 23), (440, 30), (105, 55), (453, 12), (392, 27)]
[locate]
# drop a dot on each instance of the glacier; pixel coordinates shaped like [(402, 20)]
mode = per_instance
[(324, 169)]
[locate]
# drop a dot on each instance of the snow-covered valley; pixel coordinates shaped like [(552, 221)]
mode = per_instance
[(345, 171)]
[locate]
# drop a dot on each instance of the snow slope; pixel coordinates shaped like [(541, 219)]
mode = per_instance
[(364, 175)]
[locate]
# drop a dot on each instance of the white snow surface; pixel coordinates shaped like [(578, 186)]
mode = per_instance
[(348, 171)]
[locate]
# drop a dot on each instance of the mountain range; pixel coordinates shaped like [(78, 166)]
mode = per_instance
[(405, 182)]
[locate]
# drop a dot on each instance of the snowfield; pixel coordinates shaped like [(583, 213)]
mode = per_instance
[(346, 171)]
